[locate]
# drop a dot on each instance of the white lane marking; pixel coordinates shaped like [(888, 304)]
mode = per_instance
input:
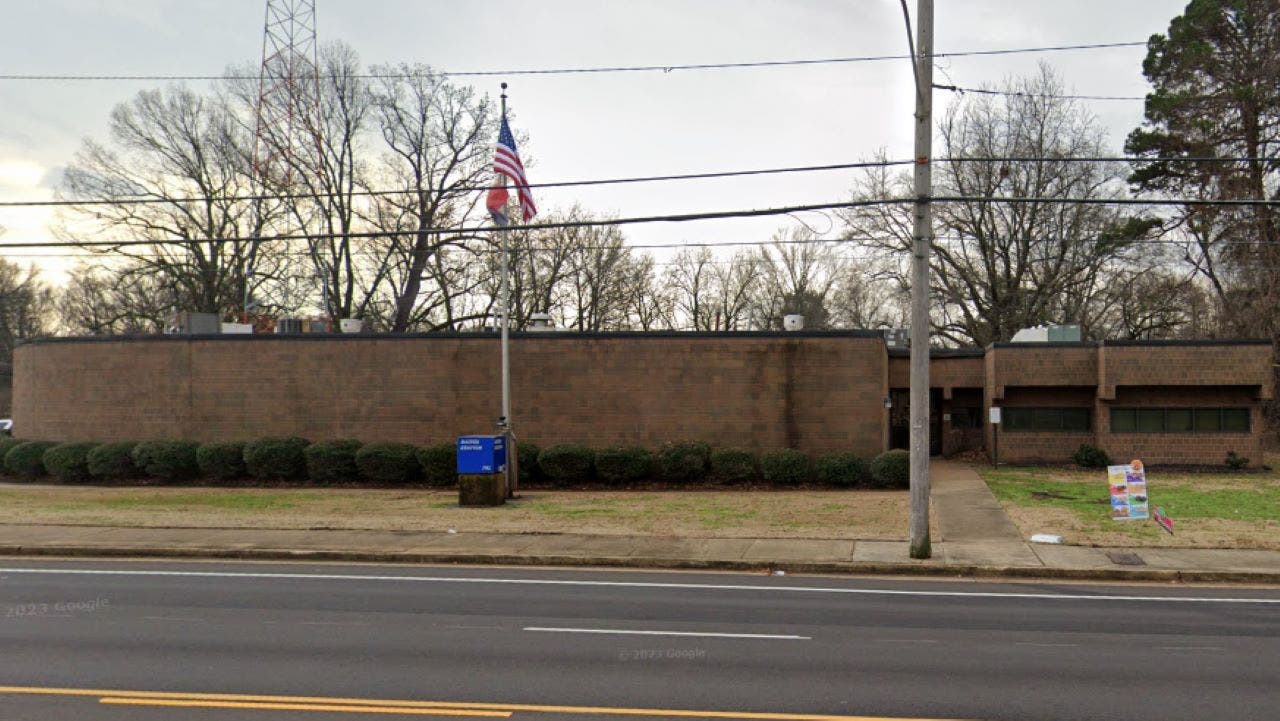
[(1188, 648), (630, 584), (630, 632)]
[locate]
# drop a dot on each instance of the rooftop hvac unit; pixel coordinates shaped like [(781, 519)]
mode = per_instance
[(541, 323), (188, 323), (793, 322), (897, 337), (289, 326)]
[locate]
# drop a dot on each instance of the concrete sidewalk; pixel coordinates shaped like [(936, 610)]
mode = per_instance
[(980, 558)]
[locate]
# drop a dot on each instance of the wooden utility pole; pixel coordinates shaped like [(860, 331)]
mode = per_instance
[(923, 238)]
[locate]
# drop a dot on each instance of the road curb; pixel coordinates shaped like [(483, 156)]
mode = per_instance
[(923, 569)]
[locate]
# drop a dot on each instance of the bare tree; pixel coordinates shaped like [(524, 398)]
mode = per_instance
[(26, 307), (798, 275), (1001, 266), (188, 157), (438, 140)]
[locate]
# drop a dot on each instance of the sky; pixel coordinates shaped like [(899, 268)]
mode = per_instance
[(594, 125)]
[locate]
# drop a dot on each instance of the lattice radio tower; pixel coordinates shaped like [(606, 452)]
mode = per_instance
[(287, 125)]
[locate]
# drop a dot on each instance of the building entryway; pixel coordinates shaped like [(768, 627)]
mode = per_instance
[(900, 420)]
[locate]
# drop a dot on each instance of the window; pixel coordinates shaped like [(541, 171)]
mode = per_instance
[(1180, 420), (966, 417), (1047, 419)]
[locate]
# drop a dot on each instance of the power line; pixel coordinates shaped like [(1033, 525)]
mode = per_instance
[(140, 200), (591, 70), (962, 90), (669, 218)]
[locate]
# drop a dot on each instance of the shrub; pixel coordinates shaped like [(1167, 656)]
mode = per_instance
[(168, 461), (1236, 462), (684, 462), (734, 465), (6, 444), (68, 462), (623, 464), (891, 469), (112, 462), (330, 462), (439, 464), (566, 463), (1089, 456), (393, 463), (276, 459), (222, 461), (842, 469), (27, 459), (528, 466), (786, 467)]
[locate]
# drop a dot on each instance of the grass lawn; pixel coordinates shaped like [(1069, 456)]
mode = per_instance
[(871, 515), (1210, 510)]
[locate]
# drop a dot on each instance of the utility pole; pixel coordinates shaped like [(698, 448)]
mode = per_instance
[(921, 245)]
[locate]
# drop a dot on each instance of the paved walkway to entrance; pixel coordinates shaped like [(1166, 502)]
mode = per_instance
[(970, 520)]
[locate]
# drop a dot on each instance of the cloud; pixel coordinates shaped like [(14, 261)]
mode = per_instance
[(21, 174)]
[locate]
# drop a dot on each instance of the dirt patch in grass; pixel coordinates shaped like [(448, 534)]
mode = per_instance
[(868, 515), (1211, 509)]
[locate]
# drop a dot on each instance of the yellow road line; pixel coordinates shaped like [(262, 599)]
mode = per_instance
[(512, 707), (331, 708)]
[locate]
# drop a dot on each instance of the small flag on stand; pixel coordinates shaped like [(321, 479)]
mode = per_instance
[(1165, 522), (506, 162)]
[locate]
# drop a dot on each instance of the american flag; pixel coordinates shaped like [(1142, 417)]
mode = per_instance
[(506, 161)]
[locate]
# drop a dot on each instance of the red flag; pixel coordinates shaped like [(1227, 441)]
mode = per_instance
[(1165, 522), (497, 203)]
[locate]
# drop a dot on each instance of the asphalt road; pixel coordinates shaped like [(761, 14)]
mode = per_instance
[(218, 641)]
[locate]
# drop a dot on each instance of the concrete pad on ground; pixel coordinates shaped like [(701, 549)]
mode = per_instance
[(793, 549), (989, 553), (965, 507), (890, 552), (483, 544), (1072, 557), (1210, 559)]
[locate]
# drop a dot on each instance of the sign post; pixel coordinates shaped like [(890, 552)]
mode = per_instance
[(995, 436)]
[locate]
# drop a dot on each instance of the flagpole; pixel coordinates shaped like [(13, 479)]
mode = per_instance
[(505, 422)]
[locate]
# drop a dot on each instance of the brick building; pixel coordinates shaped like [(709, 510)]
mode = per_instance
[(1166, 402)]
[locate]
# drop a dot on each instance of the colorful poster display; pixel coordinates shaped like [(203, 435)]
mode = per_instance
[(1128, 491)]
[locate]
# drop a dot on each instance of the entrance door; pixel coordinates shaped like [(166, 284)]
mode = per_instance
[(900, 420)]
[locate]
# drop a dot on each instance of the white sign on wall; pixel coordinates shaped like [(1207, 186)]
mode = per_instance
[(995, 415)]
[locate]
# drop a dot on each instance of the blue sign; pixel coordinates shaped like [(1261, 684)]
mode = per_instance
[(482, 454)]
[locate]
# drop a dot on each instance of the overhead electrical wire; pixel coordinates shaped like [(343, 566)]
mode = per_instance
[(963, 90), (674, 67), (151, 200), (669, 218)]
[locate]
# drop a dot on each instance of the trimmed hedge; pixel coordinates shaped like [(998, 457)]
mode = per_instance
[(68, 462), (276, 459), (390, 463), (734, 465), (1089, 456), (439, 464), (786, 467), (623, 464), (892, 469), (222, 461), (169, 461), (843, 469), (7, 444), (527, 454), (684, 462), (566, 463), (330, 462), (112, 462), (27, 459)]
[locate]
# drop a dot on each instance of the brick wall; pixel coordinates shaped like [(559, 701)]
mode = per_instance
[(817, 392), (1181, 448)]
